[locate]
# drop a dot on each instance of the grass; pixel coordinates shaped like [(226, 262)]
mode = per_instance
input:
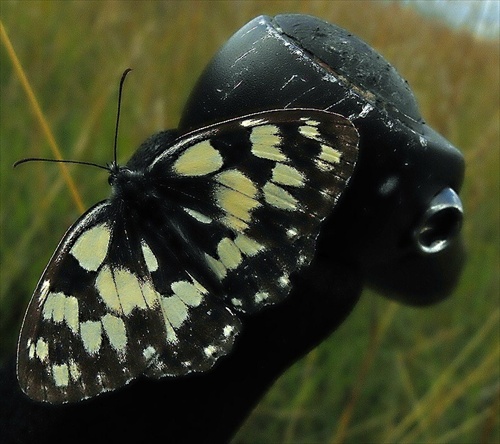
[(390, 373)]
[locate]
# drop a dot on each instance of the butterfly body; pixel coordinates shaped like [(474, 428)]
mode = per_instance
[(197, 232)]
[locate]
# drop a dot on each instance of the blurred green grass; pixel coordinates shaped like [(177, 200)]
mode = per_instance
[(390, 373)]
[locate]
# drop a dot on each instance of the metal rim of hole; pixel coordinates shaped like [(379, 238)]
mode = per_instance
[(441, 223)]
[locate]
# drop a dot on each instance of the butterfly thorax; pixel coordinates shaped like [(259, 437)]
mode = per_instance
[(129, 185)]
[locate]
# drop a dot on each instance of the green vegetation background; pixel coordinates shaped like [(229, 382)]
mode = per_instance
[(391, 373)]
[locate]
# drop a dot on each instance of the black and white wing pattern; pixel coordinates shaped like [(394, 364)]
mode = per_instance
[(108, 309), (153, 280)]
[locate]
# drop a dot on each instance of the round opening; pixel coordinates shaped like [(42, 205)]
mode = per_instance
[(439, 229)]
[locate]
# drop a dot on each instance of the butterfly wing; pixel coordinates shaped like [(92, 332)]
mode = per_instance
[(254, 191), (112, 300)]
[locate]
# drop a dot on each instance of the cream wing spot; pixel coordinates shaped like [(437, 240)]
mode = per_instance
[(248, 246), (48, 307), (31, 350), (106, 288), (210, 351), (91, 334), (236, 180), (60, 373), (171, 336), (228, 330), (151, 296), (175, 310), (149, 257), (71, 313), (229, 254), (265, 143), (129, 291), (287, 175), (278, 197), (311, 122), (311, 132), (284, 281), (261, 296), (149, 352), (187, 293), (235, 203), (216, 266), (91, 247), (236, 302), (42, 349), (330, 155), (198, 160), (198, 216), (58, 303), (234, 223), (74, 371), (58, 307), (116, 332)]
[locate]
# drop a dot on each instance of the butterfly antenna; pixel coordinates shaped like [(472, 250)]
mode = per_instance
[(80, 162), (118, 113), (43, 159)]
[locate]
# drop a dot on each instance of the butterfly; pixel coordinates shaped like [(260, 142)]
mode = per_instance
[(154, 280)]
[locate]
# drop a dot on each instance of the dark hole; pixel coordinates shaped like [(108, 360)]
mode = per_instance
[(440, 229)]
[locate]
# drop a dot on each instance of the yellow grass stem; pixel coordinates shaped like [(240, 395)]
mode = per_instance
[(39, 116)]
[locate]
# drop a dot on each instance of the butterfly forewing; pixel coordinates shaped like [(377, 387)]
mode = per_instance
[(258, 188), (150, 281)]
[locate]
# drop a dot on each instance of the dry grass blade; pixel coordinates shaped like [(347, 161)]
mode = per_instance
[(40, 117)]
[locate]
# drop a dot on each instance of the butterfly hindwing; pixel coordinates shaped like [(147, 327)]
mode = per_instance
[(215, 223), (114, 303)]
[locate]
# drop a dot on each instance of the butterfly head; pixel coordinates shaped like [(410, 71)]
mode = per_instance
[(114, 171)]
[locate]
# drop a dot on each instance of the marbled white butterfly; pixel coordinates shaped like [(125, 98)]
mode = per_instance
[(151, 281)]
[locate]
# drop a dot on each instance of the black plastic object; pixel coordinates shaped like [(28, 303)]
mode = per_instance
[(389, 214)]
